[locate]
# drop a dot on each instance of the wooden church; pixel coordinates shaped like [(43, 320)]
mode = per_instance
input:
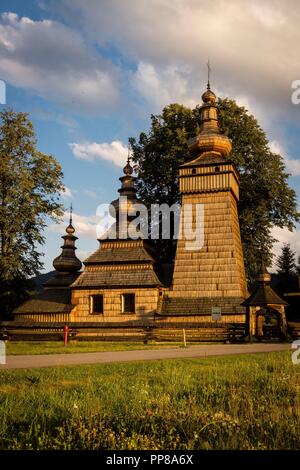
[(124, 281)]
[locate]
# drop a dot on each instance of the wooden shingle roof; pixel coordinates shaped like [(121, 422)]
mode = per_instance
[(206, 160), (47, 301), (122, 263), (117, 278), (119, 255), (181, 306), (61, 280), (264, 295)]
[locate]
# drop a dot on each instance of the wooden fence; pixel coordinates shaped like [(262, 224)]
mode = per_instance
[(133, 331), (294, 330), (129, 331)]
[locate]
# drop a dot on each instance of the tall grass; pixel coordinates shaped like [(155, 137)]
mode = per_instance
[(237, 402)]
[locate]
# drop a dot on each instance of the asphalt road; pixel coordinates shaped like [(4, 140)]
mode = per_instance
[(53, 360)]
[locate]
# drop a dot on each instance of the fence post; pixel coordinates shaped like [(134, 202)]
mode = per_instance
[(66, 330), (2, 352), (184, 338)]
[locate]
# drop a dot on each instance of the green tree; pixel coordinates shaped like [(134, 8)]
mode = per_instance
[(266, 200), (286, 261), (298, 266), (29, 186), (286, 270)]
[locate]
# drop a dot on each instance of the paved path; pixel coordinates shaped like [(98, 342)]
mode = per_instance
[(52, 360)]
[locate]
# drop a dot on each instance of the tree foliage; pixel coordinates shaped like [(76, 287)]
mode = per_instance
[(298, 266), (287, 270), (266, 200), (29, 184), (286, 261)]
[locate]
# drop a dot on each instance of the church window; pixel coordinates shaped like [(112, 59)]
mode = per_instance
[(96, 304), (128, 303)]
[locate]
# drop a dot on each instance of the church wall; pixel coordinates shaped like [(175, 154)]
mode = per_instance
[(146, 300)]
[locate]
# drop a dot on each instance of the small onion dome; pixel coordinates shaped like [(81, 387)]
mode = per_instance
[(70, 229), (213, 143), (209, 139), (67, 261), (209, 97), (128, 170), (127, 189)]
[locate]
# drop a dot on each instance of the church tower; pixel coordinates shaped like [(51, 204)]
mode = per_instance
[(211, 276), (67, 263), (53, 303)]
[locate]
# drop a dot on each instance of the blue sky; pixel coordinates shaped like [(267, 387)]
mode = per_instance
[(90, 73)]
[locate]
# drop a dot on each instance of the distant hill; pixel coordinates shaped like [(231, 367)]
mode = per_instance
[(40, 279)]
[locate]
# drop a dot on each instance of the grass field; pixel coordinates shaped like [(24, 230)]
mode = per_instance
[(233, 402), (54, 347)]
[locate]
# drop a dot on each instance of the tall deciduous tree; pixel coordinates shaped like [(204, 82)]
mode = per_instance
[(29, 186), (266, 200)]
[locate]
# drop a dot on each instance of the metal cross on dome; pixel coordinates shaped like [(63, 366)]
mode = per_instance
[(208, 74), (128, 156), (71, 211)]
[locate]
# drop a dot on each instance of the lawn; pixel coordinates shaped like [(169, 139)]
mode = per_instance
[(233, 402), (14, 348)]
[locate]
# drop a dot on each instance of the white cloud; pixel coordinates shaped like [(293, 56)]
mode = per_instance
[(84, 225), (252, 52), (54, 62), (115, 152), (67, 122), (66, 193), (90, 193), (292, 164), (269, 17), (166, 85), (283, 236), (275, 147), (70, 123), (82, 254), (252, 48)]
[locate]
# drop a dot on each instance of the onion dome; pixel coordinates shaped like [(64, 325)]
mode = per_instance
[(209, 141), (127, 189), (125, 203), (209, 96), (70, 229), (67, 261), (128, 170)]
